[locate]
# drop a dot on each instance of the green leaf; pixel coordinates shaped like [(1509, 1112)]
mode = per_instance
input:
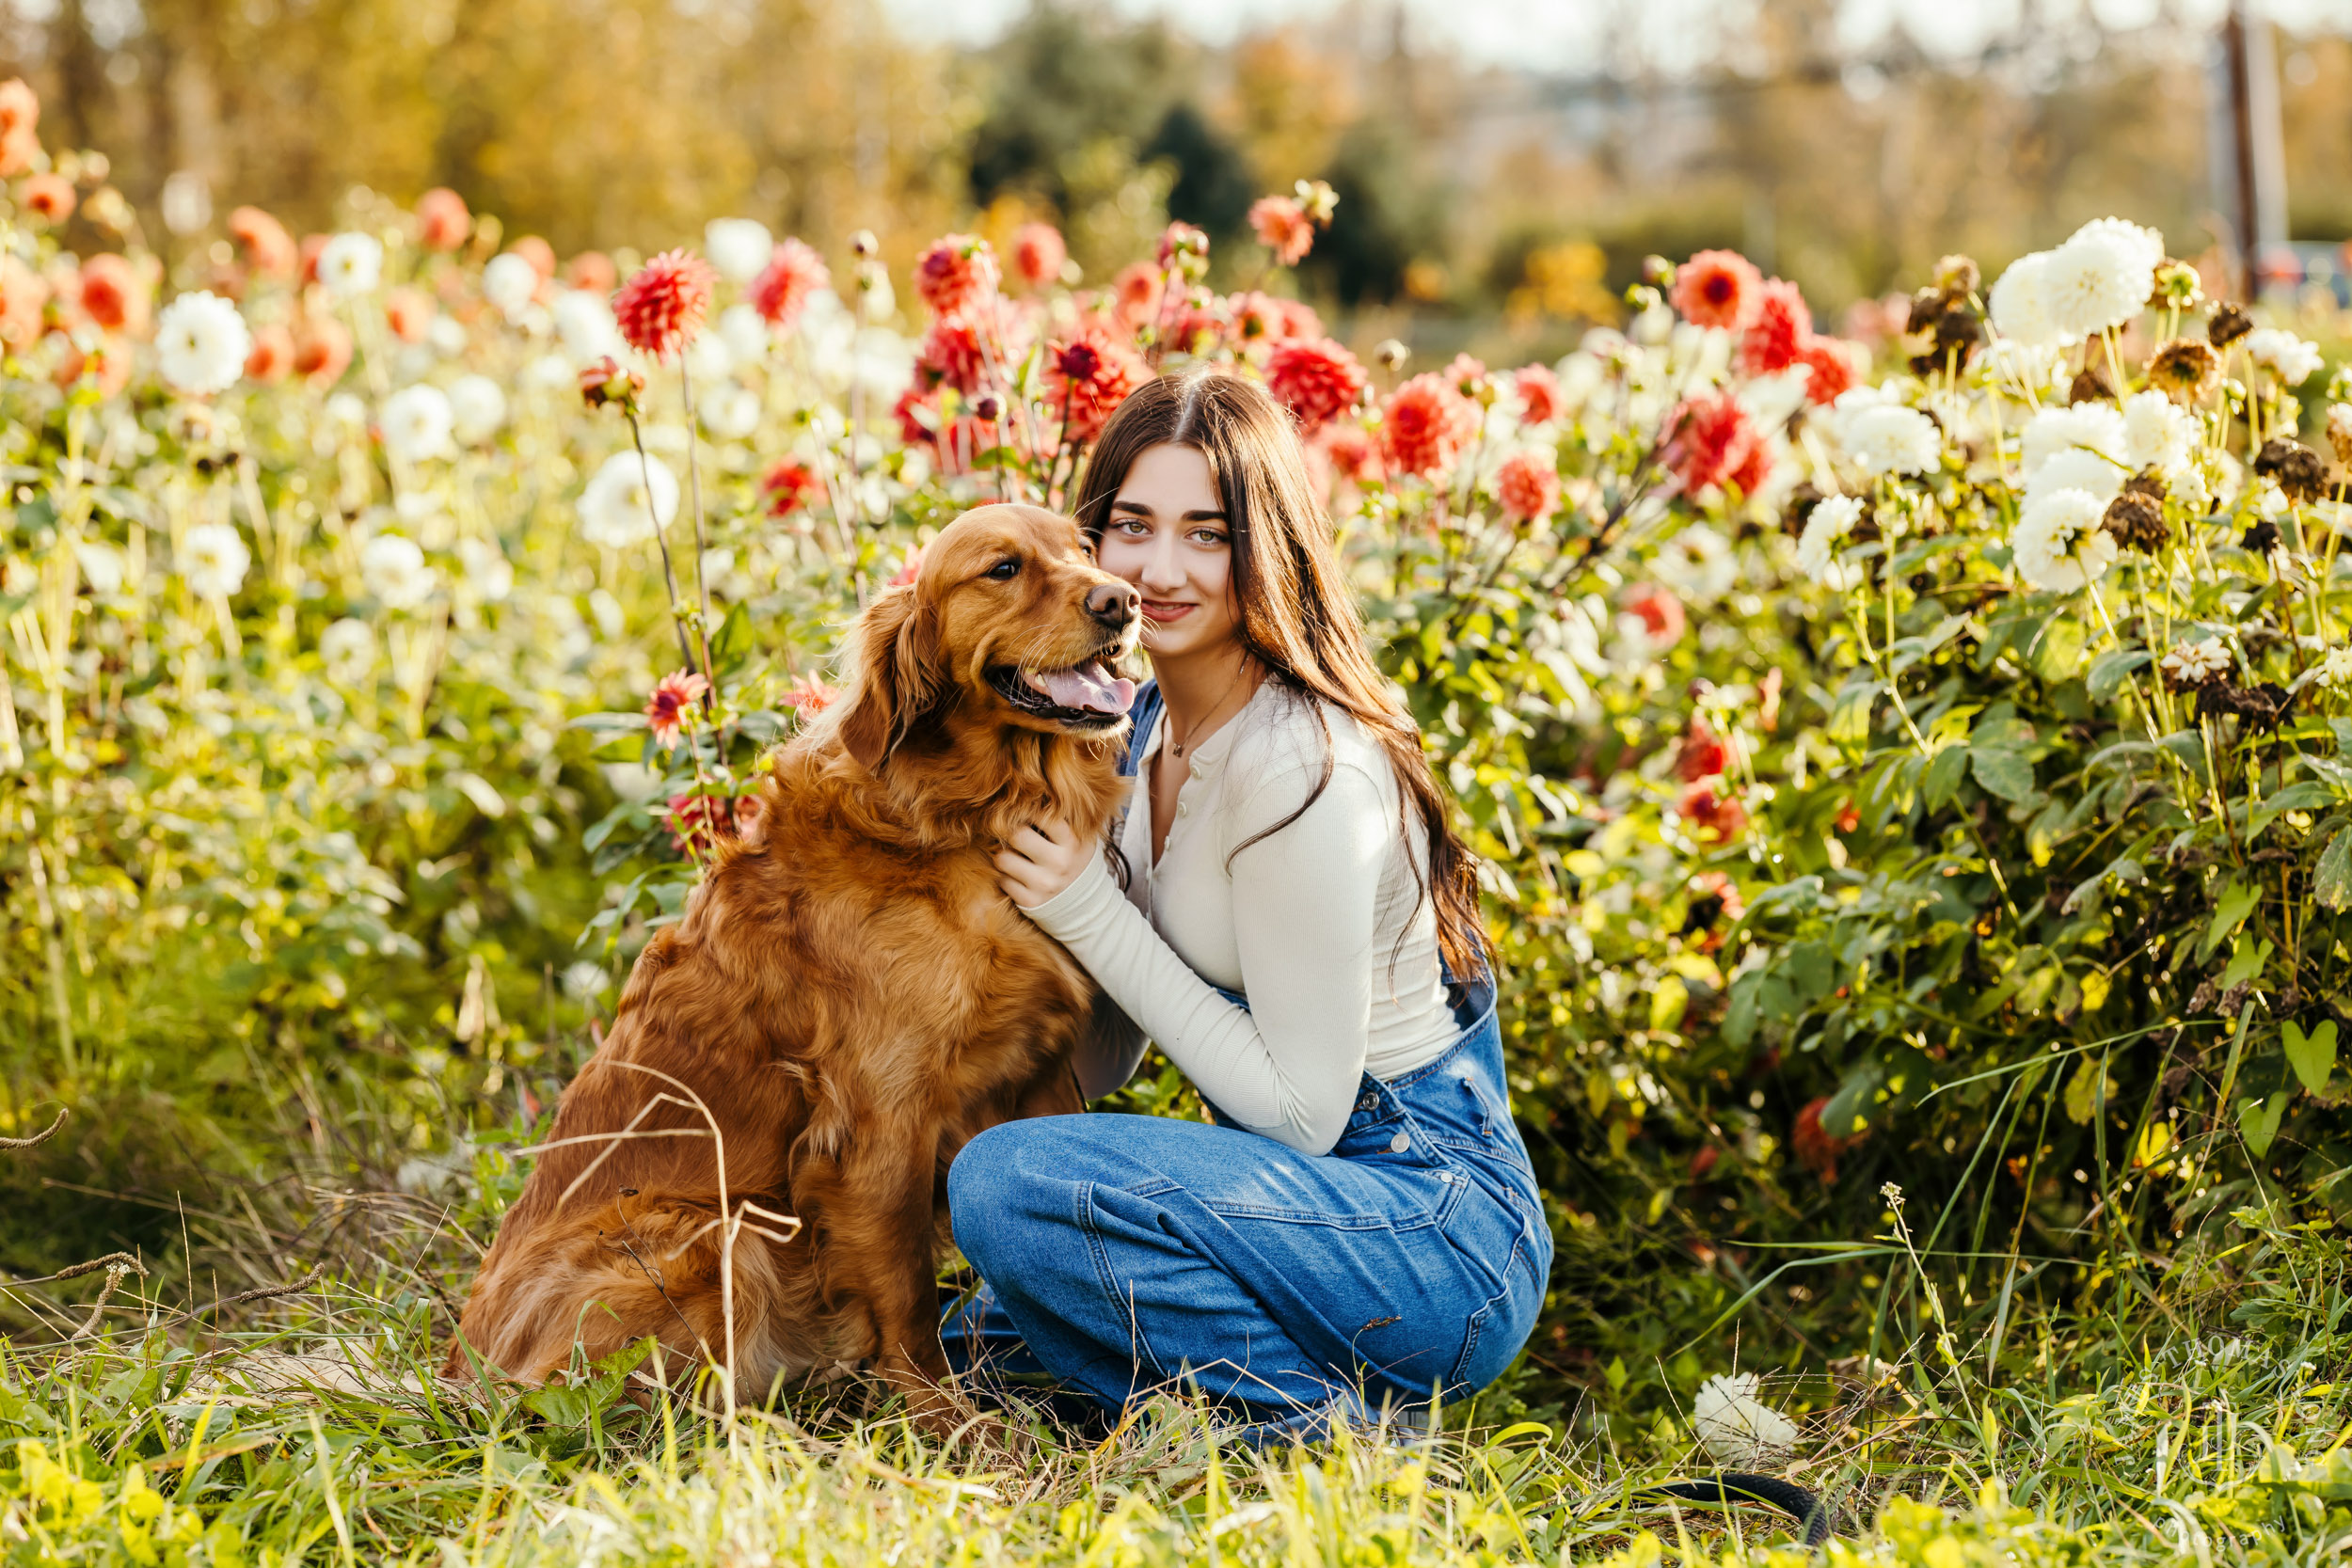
[(2108, 672), (2060, 650), (2257, 1119), (1945, 772), (2306, 796), (2331, 880), (2237, 902), (2002, 772), (2090, 1087), (2246, 960), (1850, 720), (1666, 1004), (2313, 1056)]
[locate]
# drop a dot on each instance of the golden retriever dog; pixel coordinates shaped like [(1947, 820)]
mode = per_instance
[(751, 1169)]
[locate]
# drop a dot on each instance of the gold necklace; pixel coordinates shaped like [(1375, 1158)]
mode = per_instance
[(1178, 746)]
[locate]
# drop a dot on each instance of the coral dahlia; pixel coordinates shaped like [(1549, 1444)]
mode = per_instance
[(1527, 486), (322, 350), (951, 356), (955, 275), (1038, 253), (591, 272), (1283, 228), (1718, 288), (1712, 440), (1352, 453), (809, 696), (1830, 362), (1660, 612), (23, 293), (1542, 399), (273, 354), (49, 198), (662, 307), (1137, 288), (115, 294), (1090, 377), (269, 250), (1426, 424), (794, 272), (1776, 338), (442, 220), (409, 313), (1316, 379)]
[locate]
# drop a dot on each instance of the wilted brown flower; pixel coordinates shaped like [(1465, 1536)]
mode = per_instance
[(2185, 370), (2135, 517), (1957, 276), (2229, 322), (2092, 386), (2297, 469), (2339, 432)]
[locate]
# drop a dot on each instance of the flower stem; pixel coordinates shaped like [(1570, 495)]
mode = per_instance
[(694, 495), (669, 576)]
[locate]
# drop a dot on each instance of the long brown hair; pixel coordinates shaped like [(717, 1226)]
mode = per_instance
[(1297, 617)]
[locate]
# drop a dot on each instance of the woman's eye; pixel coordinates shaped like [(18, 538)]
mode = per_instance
[(1004, 571), (1207, 536)]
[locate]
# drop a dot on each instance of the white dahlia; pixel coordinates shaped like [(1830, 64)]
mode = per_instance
[(201, 344), (745, 332), (488, 573), (614, 509), (417, 422), (510, 282), (2059, 546), (2195, 663), (2091, 426), (2139, 241), (351, 264), (347, 649), (2157, 432), (2287, 356), (1892, 439), (730, 412), (477, 407), (2098, 280), (584, 323), (1825, 528), (395, 571), (212, 558), (738, 248), (2020, 301), (2077, 469)]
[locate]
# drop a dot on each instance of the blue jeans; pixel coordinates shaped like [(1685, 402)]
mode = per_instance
[(1124, 1252)]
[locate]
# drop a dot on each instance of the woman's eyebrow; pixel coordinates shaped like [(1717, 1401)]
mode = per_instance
[(1207, 515)]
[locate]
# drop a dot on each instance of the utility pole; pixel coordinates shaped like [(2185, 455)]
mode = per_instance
[(2252, 169)]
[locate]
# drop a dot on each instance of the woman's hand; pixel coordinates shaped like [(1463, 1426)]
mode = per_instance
[(1040, 861)]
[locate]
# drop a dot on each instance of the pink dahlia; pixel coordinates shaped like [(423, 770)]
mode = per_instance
[(1541, 399), (541, 255), (1754, 469), (23, 295), (1089, 377), (1468, 375), (1316, 379), (1038, 253), (1831, 362), (268, 248), (661, 308), (672, 696), (1778, 337), (442, 220), (1709, 439), (19, 108), (1718, 288), (1299, 319), (788, 486), (1527, 486), (1426, 424), (951, 356), (794, 272), (1257, 317), (114, 295), (409, 313), (955, 275), (1283, 228), (1352, 453)]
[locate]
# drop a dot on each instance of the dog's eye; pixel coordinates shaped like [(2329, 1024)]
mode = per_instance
[(1004, 571)]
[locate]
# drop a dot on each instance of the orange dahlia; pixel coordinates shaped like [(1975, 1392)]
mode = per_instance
[(1426, 424), (1089, 377), (114, 295), (1541, 400), (1316, 379), (1283, 228), (273, 354), (1718, 288), (1710, 438), (442, 220), (269, 250), (322, 350), (49, 198), (593, 271), (1527, 486), (1831, 364), (662, 307)]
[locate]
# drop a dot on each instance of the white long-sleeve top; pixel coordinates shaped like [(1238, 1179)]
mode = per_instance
[(1322, 925)]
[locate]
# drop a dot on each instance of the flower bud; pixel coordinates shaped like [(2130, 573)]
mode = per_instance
[(608, 381), (1392, 355), (864, 245), (1317, 199), (1658, 272), (2178, 287), (987, 408)]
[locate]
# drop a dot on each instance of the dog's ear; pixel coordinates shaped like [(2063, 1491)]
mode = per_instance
[(897, 676)]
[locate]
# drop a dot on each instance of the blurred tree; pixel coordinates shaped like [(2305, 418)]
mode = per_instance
[(1213, 188), (1291, 100), (1064, 79)]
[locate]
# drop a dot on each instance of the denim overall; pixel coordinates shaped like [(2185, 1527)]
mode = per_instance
[(1124, 1253)]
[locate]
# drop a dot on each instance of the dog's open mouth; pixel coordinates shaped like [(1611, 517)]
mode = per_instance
[(1086, 696)]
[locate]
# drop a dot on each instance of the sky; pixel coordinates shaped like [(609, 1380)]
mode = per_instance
[(1561, 35)]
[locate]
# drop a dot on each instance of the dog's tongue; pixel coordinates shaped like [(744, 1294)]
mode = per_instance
[(1089, 686)]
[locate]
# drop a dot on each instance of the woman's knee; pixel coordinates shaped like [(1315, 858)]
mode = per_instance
[(995, 1186)]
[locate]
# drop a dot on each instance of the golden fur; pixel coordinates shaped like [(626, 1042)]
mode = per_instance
[(849, 998)]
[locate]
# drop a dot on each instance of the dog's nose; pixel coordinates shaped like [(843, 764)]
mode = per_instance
[(1114, 604)]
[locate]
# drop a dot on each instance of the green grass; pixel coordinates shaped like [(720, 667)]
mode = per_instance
[(2199, 1426)]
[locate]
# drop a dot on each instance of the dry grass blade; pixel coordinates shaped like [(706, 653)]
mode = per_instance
[(8, 1145)]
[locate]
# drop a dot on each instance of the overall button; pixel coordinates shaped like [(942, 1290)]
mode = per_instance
[(1399, 1144)]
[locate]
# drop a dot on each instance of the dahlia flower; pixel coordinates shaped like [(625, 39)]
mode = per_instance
[(19, 108), (1038, 253), (2289, 358), (955, 275), (1736, 1428), (48, 196), (1317, 380), (918, 412), (213, 557), (2074, 469), (1352, 452), (1778, 337), (201, 344), (607, 381), (592, 272), (2020, 302), (351, 264), (781, 289), (738, 248), (2058, 546), (1137, 288), (442, 220), (1718, 288), (347, 649), (322, 350), (114, 295), (2185, 370), (788, 486), (2098, 427), (1831, 521), (477, 409), (1283, 228), (674, 698), (1527, 485), (273, 354), (661, 308), (1089, 377), (540, 254), (417, 422), (809, 696), (1657, 612), (2192, 664), (2157, 432), (1702, 753), (1698, 563), (1707, 809), (730, 412), (410, 314), (1893, 440), (510, 282), (1426, 424), (1830, 372), (2100, 278), (951, 356), (2335, 671), (269, 250), (1184, 251), (1710, 439), (626, 500), (1542, 399), (395, 571)]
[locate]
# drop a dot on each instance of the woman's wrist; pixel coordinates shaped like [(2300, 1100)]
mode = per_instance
[(1078, 905)]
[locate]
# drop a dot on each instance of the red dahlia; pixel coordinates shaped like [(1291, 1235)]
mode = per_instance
[(1831, 362), (1659, 611), (794, 272), (1710, 439), (1090, 377), (1778, 335), (1315, 378), (788, 486), (1718, 288), (1527, 486), (662, 307)]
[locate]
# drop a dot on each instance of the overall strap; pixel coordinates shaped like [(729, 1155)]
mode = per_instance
[(1141, 716)]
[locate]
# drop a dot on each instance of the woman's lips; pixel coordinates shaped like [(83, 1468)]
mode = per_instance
[(1165, 611)]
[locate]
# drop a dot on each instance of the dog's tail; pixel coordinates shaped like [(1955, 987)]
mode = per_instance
[(1732, 1486)]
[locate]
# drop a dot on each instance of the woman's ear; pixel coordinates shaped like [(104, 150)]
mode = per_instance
[(897, 676)]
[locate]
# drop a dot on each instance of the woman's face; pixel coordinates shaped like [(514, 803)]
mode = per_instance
[(1166, 533)]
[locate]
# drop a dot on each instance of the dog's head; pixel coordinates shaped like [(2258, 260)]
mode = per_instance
[(1009, 621)]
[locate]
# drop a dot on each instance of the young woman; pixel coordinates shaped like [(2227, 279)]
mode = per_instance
[(1360, 1226)]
